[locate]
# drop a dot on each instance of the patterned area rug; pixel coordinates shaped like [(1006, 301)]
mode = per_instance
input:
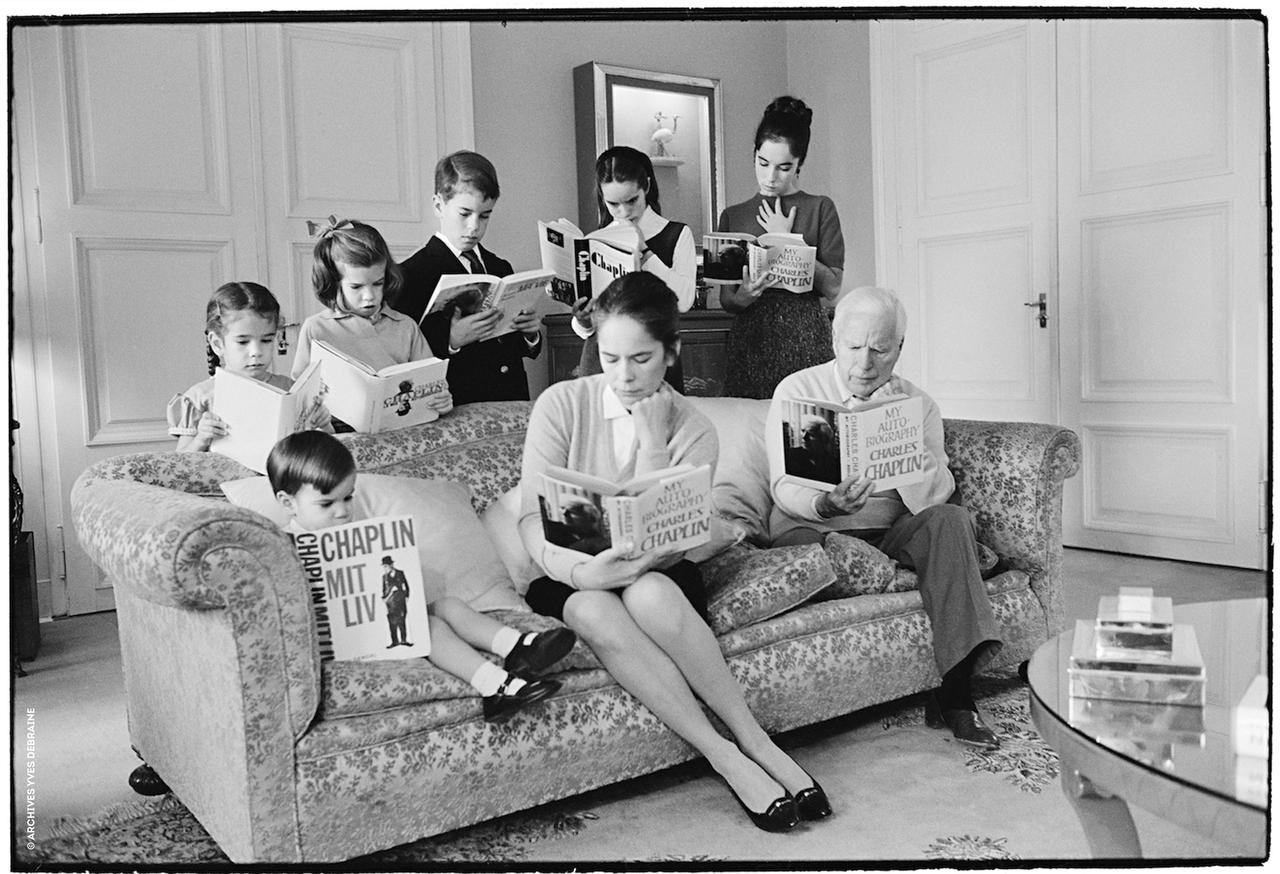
[(901, 792)]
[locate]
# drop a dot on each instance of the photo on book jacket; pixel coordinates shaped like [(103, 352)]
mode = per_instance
[(823, 444), (366, 589)]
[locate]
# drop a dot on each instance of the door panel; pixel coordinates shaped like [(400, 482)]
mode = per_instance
[(971, 107), (1160, 233)]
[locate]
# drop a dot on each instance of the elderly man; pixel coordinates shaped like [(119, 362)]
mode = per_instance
[(921, 525)]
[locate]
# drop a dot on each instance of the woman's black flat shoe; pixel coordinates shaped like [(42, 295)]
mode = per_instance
[(781, 815), (812, 803)]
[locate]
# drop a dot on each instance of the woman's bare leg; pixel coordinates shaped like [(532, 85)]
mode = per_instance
[(665, 615), (643, 669)]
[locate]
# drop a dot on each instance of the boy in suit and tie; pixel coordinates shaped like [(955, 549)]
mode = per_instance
[(481, 367)]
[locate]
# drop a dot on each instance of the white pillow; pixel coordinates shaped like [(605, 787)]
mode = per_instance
[(741, 487), (454, 550), (502, 522)]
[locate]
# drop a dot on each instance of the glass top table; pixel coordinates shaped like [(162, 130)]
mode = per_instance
[(1175, 761)]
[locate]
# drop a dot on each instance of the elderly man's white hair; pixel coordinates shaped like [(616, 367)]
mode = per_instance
[(869, 297)]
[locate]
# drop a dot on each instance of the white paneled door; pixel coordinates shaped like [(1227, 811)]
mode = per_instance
[(1161, 222), (154, 163), (1113, 169)]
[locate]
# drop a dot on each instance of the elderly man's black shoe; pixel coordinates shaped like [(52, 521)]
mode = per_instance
[(500, 707), (966, 725), (547, 647)]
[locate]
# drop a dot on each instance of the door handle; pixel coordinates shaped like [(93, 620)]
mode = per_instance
[(1042, 305)]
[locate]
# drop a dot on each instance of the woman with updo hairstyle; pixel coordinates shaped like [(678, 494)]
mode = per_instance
[(777, 332), (645, 617)]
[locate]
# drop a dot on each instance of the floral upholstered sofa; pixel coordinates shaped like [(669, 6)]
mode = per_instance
[(284, 758)]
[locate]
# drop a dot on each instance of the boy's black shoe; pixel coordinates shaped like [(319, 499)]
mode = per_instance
[(500, 707), (533, 658)]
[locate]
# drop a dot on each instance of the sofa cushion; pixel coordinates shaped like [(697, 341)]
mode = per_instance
[(456, 555), (860, 568), (740, 489), (745, 584), (501, 521)]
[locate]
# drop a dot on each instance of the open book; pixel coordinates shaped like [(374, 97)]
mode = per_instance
[(823, 443), (786, 256), (366, 589), (379, 400), (665, 511), (258, 414), (582, 266), (473, 292)]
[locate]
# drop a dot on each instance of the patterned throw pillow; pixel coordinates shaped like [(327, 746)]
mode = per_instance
[(747, 585), (860, 568)]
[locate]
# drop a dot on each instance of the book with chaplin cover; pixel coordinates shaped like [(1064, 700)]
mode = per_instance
[(366, 589), (582, 265), (372, 400), (665, 511), (527, 290), (821, 443), (258, 413)]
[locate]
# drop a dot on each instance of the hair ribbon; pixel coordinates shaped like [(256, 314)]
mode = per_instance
[(330, 225)]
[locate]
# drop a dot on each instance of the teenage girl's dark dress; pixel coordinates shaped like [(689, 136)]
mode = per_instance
[(781, 332), (490, 370)]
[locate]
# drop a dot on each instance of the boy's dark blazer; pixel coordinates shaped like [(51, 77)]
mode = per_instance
[(491, 370)]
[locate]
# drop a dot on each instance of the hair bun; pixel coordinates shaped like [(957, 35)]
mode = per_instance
[(790, 106)]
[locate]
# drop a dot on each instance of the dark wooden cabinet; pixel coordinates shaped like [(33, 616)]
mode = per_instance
[(702, 349)]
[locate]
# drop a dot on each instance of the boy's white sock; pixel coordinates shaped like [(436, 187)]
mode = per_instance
[(504, 641), (488, 677)]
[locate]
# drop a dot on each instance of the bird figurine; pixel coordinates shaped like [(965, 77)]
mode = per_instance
[(663, 135)]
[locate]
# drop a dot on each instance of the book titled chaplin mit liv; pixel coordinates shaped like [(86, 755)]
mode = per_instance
[(366, 589)]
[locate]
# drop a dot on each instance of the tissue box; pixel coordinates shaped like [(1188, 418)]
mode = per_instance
[(1176, 678)]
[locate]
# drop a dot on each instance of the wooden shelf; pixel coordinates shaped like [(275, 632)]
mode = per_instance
[(666, 162)]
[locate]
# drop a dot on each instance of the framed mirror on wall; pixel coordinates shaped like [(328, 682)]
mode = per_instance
[(674, 119)]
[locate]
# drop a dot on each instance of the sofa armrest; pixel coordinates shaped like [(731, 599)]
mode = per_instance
[(192, 553), (1010, 476)]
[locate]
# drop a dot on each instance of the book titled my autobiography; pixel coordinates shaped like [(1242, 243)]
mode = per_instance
[(824, 443), (665, 511), (366, 589), (787, 258), (371, 400)]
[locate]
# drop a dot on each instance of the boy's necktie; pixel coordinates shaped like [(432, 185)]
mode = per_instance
[(473, 261)]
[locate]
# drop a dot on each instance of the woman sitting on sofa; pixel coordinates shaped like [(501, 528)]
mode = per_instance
[(645, 617)]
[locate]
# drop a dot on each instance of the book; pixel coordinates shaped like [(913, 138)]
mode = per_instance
[(1176, 679), (581, 265), (366, 587), (1252, 775), (372, 400), (787, 257), (823, 443), (666, 511), (1251, 720), (473, 292), (258, 413)]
